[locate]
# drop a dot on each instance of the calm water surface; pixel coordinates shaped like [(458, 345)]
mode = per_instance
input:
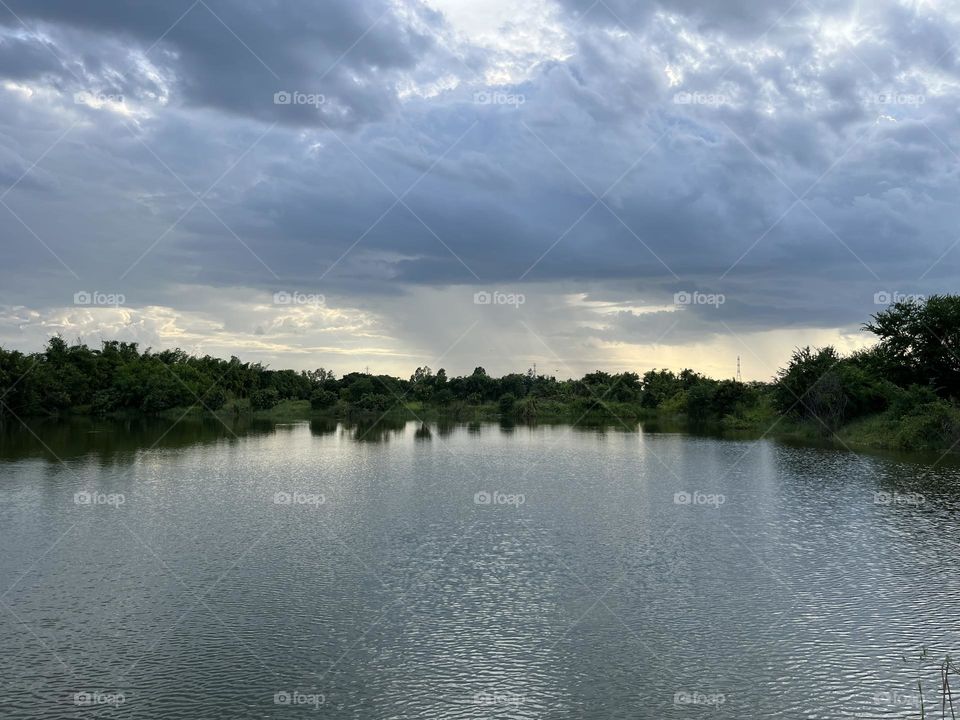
[(466, 571)]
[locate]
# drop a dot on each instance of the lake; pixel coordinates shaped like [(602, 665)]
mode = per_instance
[(410, 570)]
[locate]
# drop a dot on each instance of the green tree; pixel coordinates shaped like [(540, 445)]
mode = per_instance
[(920, 343)]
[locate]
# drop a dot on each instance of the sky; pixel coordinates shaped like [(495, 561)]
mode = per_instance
[(386, 184)]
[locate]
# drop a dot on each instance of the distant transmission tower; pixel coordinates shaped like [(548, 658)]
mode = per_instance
[(739, 378)]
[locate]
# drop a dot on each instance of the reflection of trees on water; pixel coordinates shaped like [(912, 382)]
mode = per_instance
[(324, 426), (377, 429), (423, 432), (117, 441)]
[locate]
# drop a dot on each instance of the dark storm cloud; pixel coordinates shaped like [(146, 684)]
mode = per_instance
[(233, 56), (738, 18), (773, 169)]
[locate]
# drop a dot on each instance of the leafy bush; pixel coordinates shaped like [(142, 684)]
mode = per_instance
[(929, 426), (796, 390), (264, 399), (375, 401), (105, 401), (322, 399)]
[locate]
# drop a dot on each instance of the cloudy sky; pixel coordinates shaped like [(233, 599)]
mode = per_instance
[(619, 184)]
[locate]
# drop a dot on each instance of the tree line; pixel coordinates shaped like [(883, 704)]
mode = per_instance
[(911, 376)]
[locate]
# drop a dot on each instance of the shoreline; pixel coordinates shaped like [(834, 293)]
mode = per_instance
[(870, 434)]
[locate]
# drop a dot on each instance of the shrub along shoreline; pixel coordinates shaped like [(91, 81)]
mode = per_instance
[(901, 393)]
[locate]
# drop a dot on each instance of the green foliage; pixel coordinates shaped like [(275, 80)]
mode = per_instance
[(506, 403), (920, 343), (527, 408), (323, 399), (929, 426), (264, 399), (375, 402), (900, 392), (808, 386)]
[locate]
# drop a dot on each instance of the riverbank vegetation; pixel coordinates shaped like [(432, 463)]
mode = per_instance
[(901, 393)]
